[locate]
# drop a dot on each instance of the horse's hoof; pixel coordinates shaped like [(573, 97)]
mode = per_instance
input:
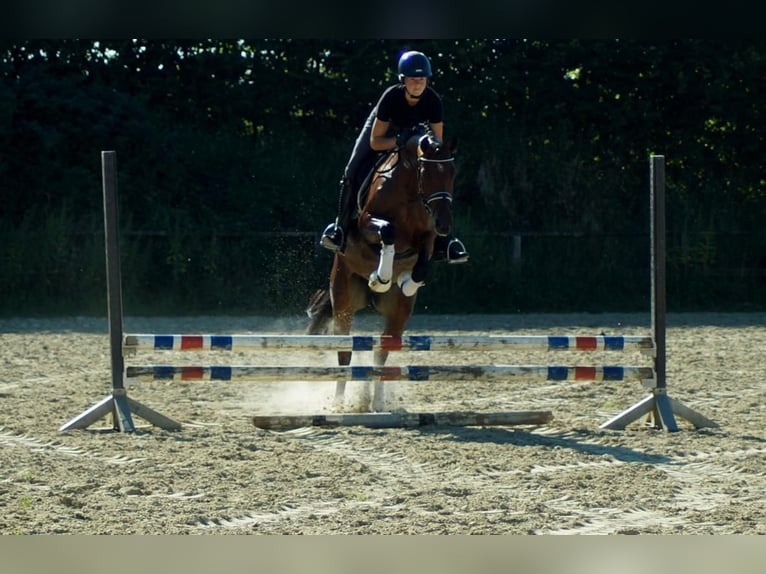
[(377, 285)]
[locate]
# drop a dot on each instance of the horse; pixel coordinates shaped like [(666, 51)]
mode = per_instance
[(403, 205)]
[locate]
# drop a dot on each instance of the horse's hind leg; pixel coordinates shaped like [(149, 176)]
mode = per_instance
[(349, 295), (342, 326), (397, 310), (319, 311)]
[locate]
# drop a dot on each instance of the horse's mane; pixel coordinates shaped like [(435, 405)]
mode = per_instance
[(406, 156)]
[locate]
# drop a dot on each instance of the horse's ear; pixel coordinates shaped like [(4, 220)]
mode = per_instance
[(452, 145)]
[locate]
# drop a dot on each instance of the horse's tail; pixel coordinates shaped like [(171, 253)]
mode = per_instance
[(319, 311)]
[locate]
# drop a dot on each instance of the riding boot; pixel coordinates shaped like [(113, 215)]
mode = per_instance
[(334, 235), (449, 249)]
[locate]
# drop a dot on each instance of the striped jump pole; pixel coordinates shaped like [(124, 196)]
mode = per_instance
[(452, 343), (493, 373)]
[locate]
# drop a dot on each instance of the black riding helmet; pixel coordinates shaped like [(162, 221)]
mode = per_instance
[(414, 65)]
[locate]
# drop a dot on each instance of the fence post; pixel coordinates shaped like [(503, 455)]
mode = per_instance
[(658, 407), (118, 404)]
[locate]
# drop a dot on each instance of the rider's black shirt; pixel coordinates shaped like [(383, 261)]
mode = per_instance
[(393, 107)]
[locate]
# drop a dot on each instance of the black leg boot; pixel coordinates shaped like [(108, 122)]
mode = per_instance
[(334, 235)]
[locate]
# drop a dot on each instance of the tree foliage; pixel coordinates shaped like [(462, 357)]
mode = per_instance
[(219, 140)]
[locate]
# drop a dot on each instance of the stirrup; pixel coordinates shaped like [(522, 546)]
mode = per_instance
[(460, 253), (332, 238)]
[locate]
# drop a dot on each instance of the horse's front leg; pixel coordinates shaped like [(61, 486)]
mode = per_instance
[(410, 282), (380, 279)]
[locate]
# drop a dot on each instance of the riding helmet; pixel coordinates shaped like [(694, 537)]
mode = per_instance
[(414, 65)]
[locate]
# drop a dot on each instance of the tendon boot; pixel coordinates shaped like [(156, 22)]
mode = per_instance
[(334, 235), (449, 249)]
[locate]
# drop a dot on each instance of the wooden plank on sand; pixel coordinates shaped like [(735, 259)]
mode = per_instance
[(402, 420)]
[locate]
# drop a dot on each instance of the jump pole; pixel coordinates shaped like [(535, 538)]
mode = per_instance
[(465, 373), (658, 407), (414, 343), (402, 420), (118, 404)]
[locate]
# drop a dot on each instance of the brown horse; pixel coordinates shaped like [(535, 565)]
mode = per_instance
[(385, 262)]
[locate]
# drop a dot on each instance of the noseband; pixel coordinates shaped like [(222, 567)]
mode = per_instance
[(437, 195)]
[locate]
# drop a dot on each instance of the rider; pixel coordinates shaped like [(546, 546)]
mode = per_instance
[(399, 111)]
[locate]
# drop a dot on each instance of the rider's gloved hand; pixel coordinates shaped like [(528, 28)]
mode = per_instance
[(402, 137)]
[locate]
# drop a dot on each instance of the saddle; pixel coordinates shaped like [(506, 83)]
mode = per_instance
[(362, 187)]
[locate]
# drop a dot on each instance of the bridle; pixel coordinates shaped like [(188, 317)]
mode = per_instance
[(437, 195)]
